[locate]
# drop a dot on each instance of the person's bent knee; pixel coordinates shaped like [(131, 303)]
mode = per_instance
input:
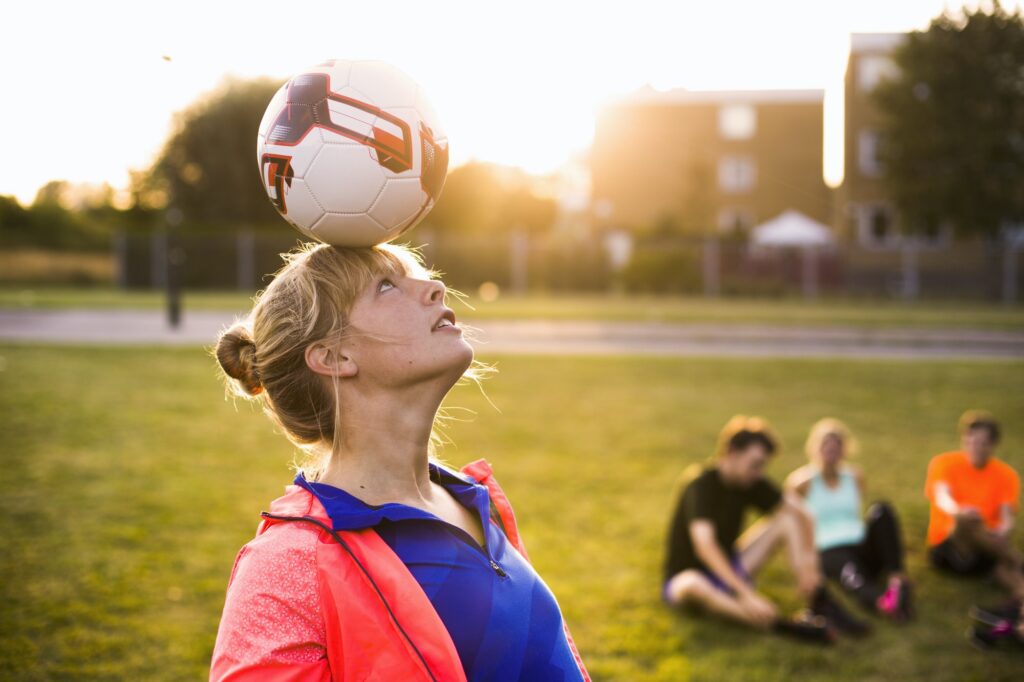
[(881, 509), (685, 587), (790, 515), (970, 522)]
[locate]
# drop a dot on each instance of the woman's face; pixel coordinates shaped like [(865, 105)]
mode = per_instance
[(831, 449), (402, 333)]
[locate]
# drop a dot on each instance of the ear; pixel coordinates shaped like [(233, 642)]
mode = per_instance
[(330, 361)]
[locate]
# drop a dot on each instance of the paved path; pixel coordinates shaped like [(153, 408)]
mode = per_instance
[(82, 326)]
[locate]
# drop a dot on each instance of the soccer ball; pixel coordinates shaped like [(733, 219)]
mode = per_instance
[(351, 152)]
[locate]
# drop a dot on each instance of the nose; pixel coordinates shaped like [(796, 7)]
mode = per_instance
[(435, 290)]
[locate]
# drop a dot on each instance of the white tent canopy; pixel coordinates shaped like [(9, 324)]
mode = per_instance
[(792, 228)]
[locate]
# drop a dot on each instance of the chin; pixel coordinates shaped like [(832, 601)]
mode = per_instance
[(465, 357)]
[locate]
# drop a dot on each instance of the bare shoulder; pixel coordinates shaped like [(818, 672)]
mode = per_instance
[(800, 479)]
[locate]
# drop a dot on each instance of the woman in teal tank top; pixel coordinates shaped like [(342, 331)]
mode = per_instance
[(864, 554)]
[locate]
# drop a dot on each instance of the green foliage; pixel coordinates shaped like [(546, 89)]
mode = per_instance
[(207, 168), (954, 123), (66, 217), (484, 199), (129, 483), (657, 270)]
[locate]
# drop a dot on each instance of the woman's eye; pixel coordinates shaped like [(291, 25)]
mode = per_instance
[(383, 282)]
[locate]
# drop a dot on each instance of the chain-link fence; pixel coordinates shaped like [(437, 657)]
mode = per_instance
[(522, 262)]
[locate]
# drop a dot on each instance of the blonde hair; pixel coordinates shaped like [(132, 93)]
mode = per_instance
[(309, 299), (822, 429)]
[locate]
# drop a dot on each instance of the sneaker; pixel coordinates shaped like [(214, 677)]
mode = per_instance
[(806, 627), (906, 605), (980, 638), (992, 616), (838, 617), (985, 638), (897, 601)]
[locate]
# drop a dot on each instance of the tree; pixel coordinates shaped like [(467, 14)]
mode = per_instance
[(207, 168), (953, 128), (481, 198)]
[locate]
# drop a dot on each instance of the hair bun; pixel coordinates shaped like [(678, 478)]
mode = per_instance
[(236, 353)]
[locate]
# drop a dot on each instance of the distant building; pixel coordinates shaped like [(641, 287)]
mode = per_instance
[(866, 209), (709, 162)]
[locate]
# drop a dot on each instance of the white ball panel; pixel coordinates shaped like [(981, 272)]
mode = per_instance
[(388, 86), (339, 73), (398, 203), (429, 116), (303, 210), (358, 95), (349, 230), (344, 179)]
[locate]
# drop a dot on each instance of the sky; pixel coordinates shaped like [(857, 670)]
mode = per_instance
[(90, 95)]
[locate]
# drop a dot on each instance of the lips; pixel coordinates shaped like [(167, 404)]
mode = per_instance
[(447, 320)]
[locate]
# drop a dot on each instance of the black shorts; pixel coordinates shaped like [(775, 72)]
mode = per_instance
[(947, 557)]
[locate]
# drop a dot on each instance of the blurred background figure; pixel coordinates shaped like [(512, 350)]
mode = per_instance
[(974, 500), (863, 554), (711, 566)]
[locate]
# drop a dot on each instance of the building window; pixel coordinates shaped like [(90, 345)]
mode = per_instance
[(933, 232), (737, 121), (868, 159), (736, 174), (737, 221), (876, 225), (873, 69)]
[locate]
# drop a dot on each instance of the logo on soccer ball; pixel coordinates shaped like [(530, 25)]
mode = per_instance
[(435, 163), (277, 172), (307, 108)]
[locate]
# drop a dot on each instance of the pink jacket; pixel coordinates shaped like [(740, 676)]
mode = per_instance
[(306, 603)]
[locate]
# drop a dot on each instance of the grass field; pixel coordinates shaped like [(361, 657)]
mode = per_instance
[(129, 483), (827, 312)]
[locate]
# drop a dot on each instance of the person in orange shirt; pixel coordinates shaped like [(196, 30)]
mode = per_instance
[(974, 500)]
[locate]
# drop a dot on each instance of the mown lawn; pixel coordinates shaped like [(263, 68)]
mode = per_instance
[(552, 306), (129, 482)]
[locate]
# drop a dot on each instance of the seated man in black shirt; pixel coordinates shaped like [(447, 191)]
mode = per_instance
[(710, 565)]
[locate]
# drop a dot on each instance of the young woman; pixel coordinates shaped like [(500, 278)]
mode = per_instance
[(378, 562), (865, 555)]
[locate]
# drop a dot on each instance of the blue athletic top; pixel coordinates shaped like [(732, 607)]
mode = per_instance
[(503, 619), (836, 512)]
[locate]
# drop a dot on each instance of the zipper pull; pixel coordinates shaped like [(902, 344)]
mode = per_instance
[(498, 569)]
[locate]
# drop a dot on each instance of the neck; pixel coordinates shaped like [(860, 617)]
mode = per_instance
[(976, 461), (725, 470), (382, 454), (830, 470)]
